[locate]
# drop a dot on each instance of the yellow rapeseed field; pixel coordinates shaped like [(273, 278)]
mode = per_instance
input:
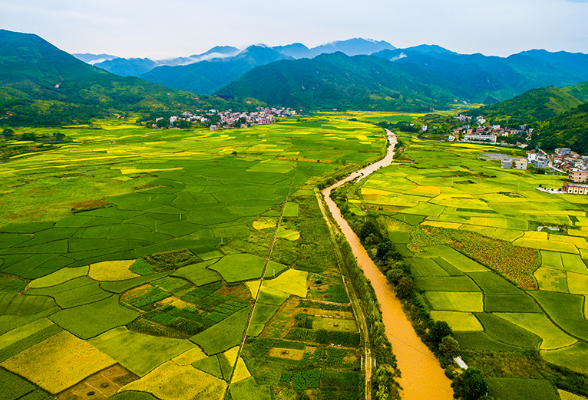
[(112, 271), (59, 362), (171, 381)]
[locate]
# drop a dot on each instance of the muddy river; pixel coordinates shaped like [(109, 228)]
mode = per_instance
[(422, 376)]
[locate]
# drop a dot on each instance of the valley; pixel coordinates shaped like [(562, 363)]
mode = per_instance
[(346, 221)]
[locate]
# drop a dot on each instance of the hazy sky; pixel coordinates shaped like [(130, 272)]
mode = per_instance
[(160, 29)]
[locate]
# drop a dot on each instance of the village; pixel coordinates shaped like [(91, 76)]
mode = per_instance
[(563, 161), (215, 119), (488, 133)]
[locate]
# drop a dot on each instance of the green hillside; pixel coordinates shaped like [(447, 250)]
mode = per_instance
[(530, 107), (579, 91), (42, 85), (490, 79), (567, 130), (207, 77), (338, 81)]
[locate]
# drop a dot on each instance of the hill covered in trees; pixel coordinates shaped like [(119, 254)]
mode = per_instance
[(532, 106), (346, 83), (42, 85)]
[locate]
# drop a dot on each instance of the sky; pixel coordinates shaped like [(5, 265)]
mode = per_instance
[(172, 28)]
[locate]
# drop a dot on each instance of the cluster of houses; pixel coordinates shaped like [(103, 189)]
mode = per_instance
[(485, 133), (230, 119), (538, 159), (571, 162)]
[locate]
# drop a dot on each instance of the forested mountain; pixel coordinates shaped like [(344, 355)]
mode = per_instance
[(575, 61), (206, 73), (42, 85), (339, 81), (530, 107), (489, 79), (567, 130), (140, 66), (207, 77)]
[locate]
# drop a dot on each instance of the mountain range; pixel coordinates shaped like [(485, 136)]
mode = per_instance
[(208, 77), (47, 86), (42, 85), (139, 66), (477, 78), (338, 81), (535, 105)]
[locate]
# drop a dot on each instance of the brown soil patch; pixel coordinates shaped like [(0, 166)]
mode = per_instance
[(132, 293), (290, 354), (101, 385), (81, 205), (240, 291)]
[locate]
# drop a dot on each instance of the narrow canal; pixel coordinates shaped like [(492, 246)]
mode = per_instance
[(422, 376)]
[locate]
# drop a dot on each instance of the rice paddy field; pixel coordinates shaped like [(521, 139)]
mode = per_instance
[(502, 263), (131, 265)]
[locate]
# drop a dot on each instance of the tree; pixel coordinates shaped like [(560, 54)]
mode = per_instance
[(439, 330), (28, 136), (394, 275), (383, 380), (8, 133), (162, 123), (183, 124), (404, 288), (384, 248), (449, 346), (59, 136), (369, 228), (470, 385)]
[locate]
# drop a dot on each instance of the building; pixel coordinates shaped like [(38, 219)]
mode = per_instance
[(480, 137), (540, 162), (563, 151), (506, 164), (521, 163), (574, 188), (213, 128), (531, 155), (578, 175)]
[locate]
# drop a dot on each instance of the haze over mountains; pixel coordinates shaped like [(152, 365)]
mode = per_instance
[(138, 66)]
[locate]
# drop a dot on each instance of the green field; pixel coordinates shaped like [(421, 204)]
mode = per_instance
[(468, 230), (144, 247)]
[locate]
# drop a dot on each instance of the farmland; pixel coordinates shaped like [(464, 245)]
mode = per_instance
[(134, 258), (502, 263)]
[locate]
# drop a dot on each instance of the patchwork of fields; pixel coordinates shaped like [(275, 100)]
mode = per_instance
[(131, 264), (502, 263)]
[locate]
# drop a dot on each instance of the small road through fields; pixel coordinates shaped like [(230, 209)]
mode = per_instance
[(267, 260)]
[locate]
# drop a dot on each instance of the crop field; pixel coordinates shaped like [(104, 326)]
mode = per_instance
[(500, 262), (131, 262)]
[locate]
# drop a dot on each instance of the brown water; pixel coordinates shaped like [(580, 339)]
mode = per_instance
[(422, 376)]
